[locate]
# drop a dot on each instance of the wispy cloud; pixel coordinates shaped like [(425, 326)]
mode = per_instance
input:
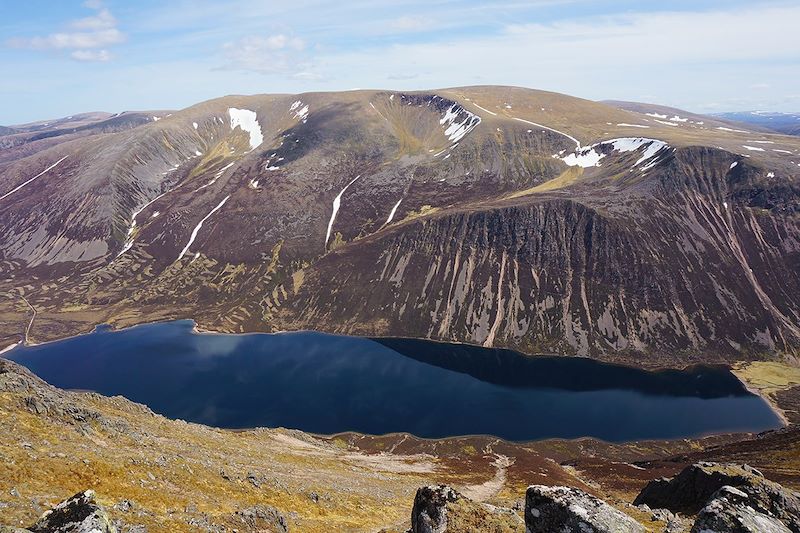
[(85, 38), (273, 54)]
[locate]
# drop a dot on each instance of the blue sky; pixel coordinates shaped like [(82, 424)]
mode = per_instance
[(61, 57)]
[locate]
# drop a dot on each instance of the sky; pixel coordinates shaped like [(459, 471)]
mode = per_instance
[(61, 57)]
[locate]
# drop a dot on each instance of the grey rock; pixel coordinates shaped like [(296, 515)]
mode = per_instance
[(124, 505), (262, 518), (697, 485), (78, 514), (730, 511), (254, 480), (567, 510), (429, 514)]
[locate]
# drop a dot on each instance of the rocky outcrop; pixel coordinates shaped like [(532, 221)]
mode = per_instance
[(696, 485), (549, 509), (78, 514), (732, 511), (441, 509), (728, 497), (429, 514)]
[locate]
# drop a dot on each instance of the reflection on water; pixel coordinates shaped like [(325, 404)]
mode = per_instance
[(328, 384)]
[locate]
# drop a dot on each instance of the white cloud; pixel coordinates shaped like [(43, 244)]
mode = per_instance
[(91, 55), (409, 23), (86, 39), (273, 54), (101, 21), (79, 40)]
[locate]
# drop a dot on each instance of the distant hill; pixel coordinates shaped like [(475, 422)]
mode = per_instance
[(788, 123)]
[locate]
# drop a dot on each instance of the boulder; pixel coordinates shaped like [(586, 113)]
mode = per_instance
[(730, 510), (78, 514), (429, 514), (441, 509), (698, 484), (262, 518), (565, 509)]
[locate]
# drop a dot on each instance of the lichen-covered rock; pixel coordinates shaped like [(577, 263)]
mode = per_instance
[(429, 514), (565, 509), (78, 514), (730, 511), (695, 487), (262, 518), (441, 509)]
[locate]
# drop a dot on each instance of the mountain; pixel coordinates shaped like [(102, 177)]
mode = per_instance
[(497, 216), (788, 123), (26, 139)]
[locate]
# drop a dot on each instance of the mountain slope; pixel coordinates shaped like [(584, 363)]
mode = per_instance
[(490, 215)]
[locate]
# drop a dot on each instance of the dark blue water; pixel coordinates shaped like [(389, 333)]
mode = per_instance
[(328, 384)]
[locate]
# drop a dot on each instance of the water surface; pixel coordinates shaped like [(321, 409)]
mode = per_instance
[(328, 384)]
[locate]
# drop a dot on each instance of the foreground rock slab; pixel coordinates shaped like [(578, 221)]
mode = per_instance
[(732, 511), (565, 509), (78, 514), (721, 491)]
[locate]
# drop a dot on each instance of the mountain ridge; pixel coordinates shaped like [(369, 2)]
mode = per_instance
[(278, 216)]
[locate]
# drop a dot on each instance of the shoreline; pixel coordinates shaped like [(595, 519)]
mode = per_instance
[(197, 329), (10, 347), (764, 396)]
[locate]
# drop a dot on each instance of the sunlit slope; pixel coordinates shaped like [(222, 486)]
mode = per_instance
[(492, 215)]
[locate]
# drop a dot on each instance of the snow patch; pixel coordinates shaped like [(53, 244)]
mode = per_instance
[(248, 121), (656, 115), (392, 212), (219, 173), (753, 148), (300, 110), (194, 124), (24, 183), (336, 203), (734, 164), (455, 130), (484, 109), (589, 156), (200, 225), (624, 124), (570, 137)]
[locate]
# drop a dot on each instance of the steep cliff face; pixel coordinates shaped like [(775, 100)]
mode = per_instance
[(489, 215), (681, 263)]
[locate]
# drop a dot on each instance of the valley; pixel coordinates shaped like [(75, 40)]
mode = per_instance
[(463, 256)]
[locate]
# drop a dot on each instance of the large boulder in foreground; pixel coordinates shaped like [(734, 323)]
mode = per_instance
[(733, 511), (429, 514), (78, 514), (441, 509), (565, 509), (697, 485)]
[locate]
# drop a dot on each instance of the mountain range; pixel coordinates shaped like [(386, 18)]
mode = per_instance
[(496, 216)]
